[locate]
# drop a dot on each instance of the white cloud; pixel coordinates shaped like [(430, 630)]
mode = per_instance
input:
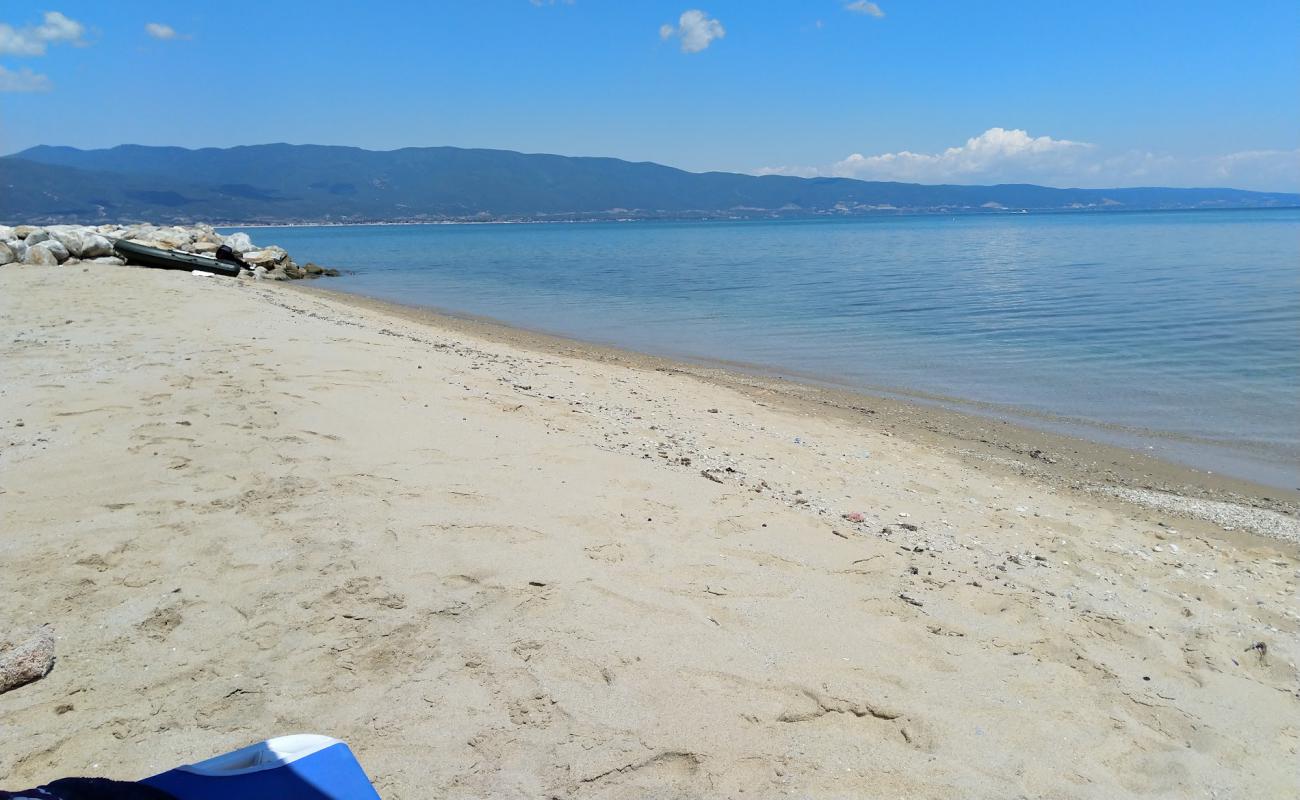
[(794, 171), (991, 153), (695, 29), (162, 31), (863, 7), (1256, 168), (33, 40), (1013, 156), (24, 80)]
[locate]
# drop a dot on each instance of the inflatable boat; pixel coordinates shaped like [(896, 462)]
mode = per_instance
[(134, 253)]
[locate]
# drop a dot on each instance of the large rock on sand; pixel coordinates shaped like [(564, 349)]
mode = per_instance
[(6, 255), (96, 246), (69, 236), (56, 247), (38, 256), (205, 234), (37, 236), (7, 233), (23, 231), (239, 242), (173, 238), (82, 242), (142, 232)]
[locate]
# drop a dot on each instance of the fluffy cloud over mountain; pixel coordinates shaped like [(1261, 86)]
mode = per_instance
[(999, 155)]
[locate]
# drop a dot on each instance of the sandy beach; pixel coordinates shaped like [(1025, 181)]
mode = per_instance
[(502, 565)]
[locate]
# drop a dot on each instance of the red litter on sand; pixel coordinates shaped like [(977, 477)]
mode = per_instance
[(855, 516)]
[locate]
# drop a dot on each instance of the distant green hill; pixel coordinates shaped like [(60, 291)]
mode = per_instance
[(301, 183)]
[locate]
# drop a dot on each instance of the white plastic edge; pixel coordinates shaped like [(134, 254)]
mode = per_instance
[(262, 756)]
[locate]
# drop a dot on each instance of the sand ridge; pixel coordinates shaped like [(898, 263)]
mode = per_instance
[(502, 572)]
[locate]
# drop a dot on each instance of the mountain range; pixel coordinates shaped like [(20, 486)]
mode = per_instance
[(282, 183)]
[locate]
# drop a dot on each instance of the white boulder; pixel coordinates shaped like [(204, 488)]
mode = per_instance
[(82, 241), (55, 247), (239, 242), (71, 237), (37, 236), (173, 238), (204, 234), (7, 233), (40, 257), (96, 246), (140, 233), (108, 260), (6, 254), (267, 258)]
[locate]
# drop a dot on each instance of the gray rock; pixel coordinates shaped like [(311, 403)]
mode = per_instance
[(55, 247), (7, 233), (239, 242), (267, 257), (205, 234), (23, 231), (139, 233), (6, 255), (174, 238), (204, 247), (109, 260), (312, 268), (96, 246), (74, 239), (40, 257), (37, 236), (19, 247)]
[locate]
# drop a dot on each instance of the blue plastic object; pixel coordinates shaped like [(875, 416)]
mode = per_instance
[(302, 767)]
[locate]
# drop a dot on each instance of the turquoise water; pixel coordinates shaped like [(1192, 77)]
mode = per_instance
[(1177, 333)]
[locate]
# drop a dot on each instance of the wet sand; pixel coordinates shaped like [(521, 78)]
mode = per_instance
[(504, 564)]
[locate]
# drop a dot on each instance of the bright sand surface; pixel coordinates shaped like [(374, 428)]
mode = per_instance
[(500, 569)]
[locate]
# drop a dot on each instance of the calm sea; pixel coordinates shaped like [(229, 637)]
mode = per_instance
[(1177, 333)]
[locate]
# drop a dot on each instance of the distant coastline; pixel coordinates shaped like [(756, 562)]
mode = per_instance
[(292, 184), (231, 226)]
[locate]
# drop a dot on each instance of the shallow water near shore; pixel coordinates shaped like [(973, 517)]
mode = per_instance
[(1175, 333)]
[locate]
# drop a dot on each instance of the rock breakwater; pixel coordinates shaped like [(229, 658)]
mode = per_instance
[(52, 245)]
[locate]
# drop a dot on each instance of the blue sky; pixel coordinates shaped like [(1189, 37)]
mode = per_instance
[(1086, 94)]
